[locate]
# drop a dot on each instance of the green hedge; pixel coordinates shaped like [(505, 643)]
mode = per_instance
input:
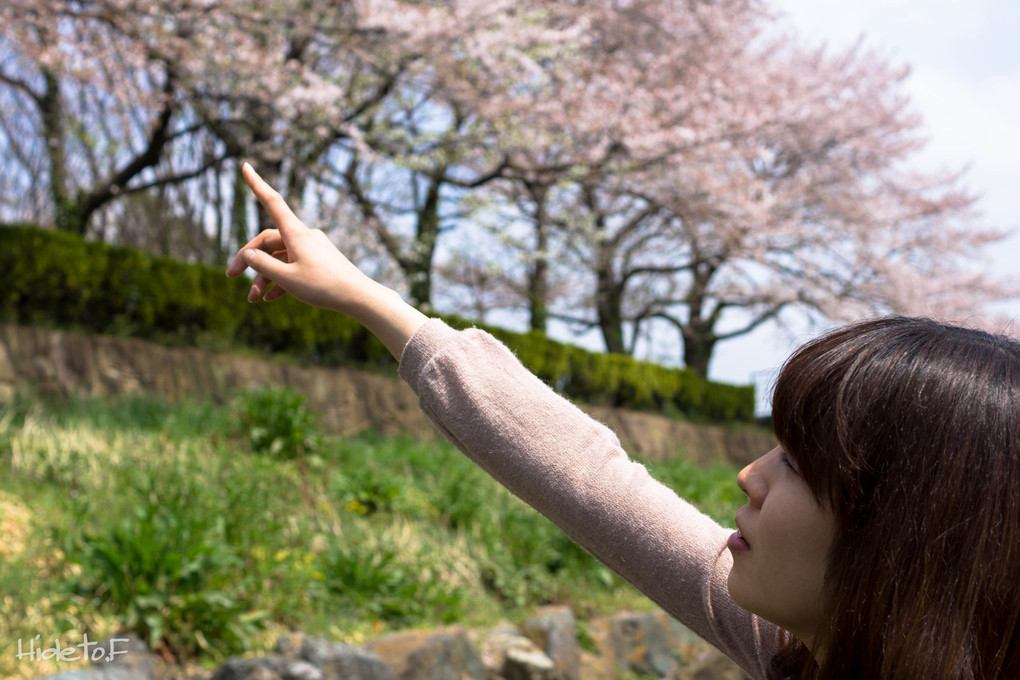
[(56, 279), (52, 278)]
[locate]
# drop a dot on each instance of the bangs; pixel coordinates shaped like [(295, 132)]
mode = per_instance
[(846, 402), (804, 416), (828, 395)]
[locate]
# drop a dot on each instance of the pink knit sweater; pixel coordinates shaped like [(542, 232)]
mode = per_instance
[(573, 470)]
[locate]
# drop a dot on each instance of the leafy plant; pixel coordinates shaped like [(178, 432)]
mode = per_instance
[(166, 573), (366, 490), (276, 422), (375, 578)]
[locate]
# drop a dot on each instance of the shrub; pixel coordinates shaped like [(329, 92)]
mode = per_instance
[(57, 279)]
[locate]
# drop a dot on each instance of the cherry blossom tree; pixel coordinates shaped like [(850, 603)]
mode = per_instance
[(646, 83), (440, 135), (806, 204), (102, 91), (649, 162), (711, 174)]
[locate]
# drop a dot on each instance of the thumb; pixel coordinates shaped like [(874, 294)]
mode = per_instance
[(268, 269), (264, 263)]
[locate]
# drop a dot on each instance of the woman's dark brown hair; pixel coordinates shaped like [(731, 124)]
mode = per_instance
[(909, 431)]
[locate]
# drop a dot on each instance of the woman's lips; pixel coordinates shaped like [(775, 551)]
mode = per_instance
[(736, 542)]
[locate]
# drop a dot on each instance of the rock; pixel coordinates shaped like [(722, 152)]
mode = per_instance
[(655, 438), (553, 629), (93, 674), (710, 664), (684, 642), (122, 656), (638, 642), (644, 642), (56, 363), (491, 647), (509, 655), (8, 377), (444, 654), (272, 667), (335, 660), (128, 652), (524, 663), (600, 664)]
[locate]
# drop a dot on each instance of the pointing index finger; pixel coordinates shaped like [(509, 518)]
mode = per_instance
[(277, 209)]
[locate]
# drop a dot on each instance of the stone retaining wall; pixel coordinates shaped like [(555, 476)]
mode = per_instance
[(62, 363)]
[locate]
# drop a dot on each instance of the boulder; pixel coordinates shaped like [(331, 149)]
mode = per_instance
[(634, 641), (599, 664), (122, 656), (509, 655), (554, 630), (443, 654), (272, 667), (710, 664), (335, 660), (127, 652), (93, 674)]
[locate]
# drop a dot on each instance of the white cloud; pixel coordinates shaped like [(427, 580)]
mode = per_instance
[(895, 23), (966, 85), (970, 120)]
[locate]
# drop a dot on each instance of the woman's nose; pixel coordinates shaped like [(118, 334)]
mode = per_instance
[(753, 482)]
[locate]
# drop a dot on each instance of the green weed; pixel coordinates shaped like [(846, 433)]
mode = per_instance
[(376, 578), (166, 571), (277, 422), (206, 527)]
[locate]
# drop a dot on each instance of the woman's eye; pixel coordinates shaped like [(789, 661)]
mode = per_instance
[(790, 464)]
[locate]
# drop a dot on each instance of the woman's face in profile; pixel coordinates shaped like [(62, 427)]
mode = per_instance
[(780, 554)]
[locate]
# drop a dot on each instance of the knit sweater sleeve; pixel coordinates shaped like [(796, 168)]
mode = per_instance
[(573, 470)]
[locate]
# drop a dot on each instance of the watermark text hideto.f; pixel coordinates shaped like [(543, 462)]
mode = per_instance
[(36, 650)]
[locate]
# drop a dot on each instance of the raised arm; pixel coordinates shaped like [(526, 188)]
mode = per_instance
[(302, 262), (534, 442)]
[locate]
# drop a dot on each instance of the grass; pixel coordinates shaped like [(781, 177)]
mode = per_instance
[(211, 532)]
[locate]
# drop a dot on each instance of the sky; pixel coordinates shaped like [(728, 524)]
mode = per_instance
[(965, 83)]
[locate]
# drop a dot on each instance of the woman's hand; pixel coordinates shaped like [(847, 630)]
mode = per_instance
[(302, 262), (299, 260)]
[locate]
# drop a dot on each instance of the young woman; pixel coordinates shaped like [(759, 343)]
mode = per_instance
[(879, 540)]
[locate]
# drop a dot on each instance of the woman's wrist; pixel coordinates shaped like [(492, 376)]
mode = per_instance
[(388, 317)]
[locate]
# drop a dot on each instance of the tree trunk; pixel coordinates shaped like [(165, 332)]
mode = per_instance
[(609, 307), (698, 348), (538, 278), (420, 285), (239, 233), (66, 210), (73, 214), (698, 333), (418, 265), (538, 292)]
